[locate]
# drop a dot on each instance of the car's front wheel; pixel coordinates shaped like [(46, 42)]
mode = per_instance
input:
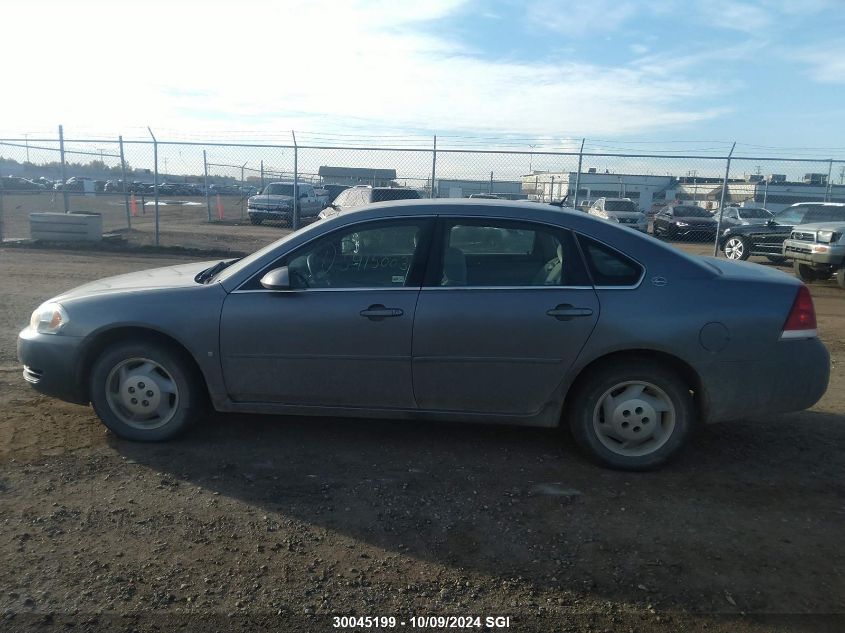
[(805, 273), (840, 277), (145, 391), (632, 415), (256, 221), (737, 248), (776, 259)]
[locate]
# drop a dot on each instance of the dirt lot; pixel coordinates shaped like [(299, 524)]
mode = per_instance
[(259, 522)]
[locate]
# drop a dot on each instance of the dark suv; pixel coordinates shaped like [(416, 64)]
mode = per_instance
[(741, 242)]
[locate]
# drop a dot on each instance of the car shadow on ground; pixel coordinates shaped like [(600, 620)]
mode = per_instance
[(743, 521)]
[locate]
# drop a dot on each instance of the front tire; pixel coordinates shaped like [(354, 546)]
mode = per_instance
[(805, 273), (255, 221), (145, 391), (632, 415), (776, 259), (737, 248), (840, 277)]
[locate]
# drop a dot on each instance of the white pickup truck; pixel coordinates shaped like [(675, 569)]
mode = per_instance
[(275, 203)]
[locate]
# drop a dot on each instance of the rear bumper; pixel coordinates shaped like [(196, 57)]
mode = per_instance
[(793, 376), (50, 365)]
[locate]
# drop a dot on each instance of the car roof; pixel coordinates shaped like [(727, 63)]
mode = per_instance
[(816, 204)]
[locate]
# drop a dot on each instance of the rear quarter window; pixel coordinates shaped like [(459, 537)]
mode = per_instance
[(607, 266)]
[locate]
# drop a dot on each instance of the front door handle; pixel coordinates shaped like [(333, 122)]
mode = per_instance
[(378, 312), (566, 311)]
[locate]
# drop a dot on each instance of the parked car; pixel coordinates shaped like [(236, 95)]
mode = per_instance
[(744, 216), (360, 195), (276, 203), (14, 184), (113, 186), (685, 221), (76, 184), (817, 251), (562, 319), (333, 191), (621, 211), (741, 242)]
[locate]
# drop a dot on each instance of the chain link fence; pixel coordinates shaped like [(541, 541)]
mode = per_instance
[(191, 194)]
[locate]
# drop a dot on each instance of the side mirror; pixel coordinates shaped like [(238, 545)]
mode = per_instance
[(277, 279)]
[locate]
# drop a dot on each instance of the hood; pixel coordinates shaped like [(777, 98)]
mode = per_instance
[(822, 226), (270, 199), (627, 215), (167, 277), (695, 220), (760, 229)]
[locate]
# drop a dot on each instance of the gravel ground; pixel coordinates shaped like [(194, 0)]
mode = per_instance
[(271, 523)]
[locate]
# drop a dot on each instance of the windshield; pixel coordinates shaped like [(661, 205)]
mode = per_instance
[(755, 213), (278, 189), (792, 215), (383, 195), (692, 212), (620, 205)]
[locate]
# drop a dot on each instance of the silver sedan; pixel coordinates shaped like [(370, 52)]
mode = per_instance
[(482, 310)]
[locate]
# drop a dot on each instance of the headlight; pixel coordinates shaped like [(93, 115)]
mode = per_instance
[(48, 318), (828, 237), (681, 224)]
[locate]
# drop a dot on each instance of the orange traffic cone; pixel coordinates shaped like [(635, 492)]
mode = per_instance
[(133, 206), (219, 208)]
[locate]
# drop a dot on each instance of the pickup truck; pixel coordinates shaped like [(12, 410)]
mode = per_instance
[(275, 203)]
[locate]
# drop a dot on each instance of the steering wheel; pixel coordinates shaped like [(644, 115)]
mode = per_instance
[(320, 262)]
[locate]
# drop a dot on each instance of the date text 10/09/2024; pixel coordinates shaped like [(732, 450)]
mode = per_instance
[(422, 622)]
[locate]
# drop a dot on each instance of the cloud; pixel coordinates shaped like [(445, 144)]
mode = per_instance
[(826, 64), (322, 66)]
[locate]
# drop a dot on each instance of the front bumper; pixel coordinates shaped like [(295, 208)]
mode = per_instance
[(793, 376), (51, 365), (273, 215), (813, 253)]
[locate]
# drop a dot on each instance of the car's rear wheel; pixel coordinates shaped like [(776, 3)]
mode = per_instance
[(145, 391), (632, 415), (805, 273), (737, 248)]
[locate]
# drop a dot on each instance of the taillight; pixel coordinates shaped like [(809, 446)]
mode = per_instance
[(801, 322)]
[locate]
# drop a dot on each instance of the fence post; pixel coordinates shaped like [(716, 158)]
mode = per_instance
[(262, 174), (155, 180), (64, 175), (722, 202), (433, 166), (828, 190), (1, 214), (205, 173), (125, 192), (578, 174), (491, 183), (243, 185), (295, 219)]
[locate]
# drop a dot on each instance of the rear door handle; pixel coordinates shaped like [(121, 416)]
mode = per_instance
[(378, 312), (565, 312)]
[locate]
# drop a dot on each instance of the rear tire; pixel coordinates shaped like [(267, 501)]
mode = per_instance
[(804, 273), (631, 415), (145, 391)]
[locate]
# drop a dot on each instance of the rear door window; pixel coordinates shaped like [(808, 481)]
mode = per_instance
[(609, 267)]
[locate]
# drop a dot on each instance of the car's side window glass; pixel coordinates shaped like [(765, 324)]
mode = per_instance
[(608, 266), (496, 253), (368, 256), (792, 216)]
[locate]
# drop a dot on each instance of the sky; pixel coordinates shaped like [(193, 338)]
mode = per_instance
[(769, 74)]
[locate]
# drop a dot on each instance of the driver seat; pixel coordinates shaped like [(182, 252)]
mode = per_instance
[(551, 274)]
